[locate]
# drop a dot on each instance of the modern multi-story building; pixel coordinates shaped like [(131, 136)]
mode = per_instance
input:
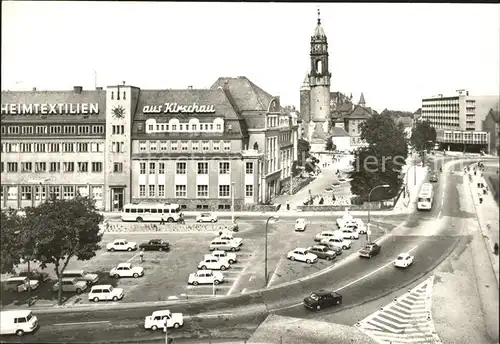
[(199, 148), (458, 119)]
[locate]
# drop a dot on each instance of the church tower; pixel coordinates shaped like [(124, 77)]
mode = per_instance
[(319, 85)]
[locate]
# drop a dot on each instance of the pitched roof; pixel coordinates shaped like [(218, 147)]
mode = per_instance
[(338, 132), (360, 112), (495, 114), (56, 97)]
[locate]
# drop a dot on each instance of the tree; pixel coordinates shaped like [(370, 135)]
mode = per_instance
[(329, 145), (303, 148), (381, 162), (10, 245), (423, 136), (64, 229)]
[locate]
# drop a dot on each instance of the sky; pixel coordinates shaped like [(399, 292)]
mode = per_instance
[(396, 54)]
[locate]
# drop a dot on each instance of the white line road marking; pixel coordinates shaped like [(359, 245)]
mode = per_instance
[(135, 255), (212, 315), (235, 283), (243, 291), (82, 323), (251, 278), (439, 215), (351, 283), (273, 274)]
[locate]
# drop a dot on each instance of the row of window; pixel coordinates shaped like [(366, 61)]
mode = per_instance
[(185, 127), (153, 146), (118, 129), (36, 192), (42, 166), (53, 129), (181, 191), (202, 167), (68, 147)]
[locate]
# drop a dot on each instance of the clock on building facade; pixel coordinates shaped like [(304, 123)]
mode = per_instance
[(118, 112)]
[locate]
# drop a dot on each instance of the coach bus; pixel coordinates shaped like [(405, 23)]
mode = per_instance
[(151, 212), (425, 197)]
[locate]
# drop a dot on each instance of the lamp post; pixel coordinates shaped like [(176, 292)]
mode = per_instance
[(166, 331), (273, 218), (368, 231), (232, 202)]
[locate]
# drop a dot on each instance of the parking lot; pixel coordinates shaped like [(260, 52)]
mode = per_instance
[(166, 273)]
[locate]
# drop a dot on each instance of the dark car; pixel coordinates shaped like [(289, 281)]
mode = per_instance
[(34, 275), (433, 178), (370, 250), (322, 299), (322, 252), (155, 245)]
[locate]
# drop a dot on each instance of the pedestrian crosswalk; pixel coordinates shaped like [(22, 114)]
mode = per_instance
[(407, 319)]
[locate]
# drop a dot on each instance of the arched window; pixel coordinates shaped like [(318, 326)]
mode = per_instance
[(112, 95), (124, 96), (256, 146), (319, 66)]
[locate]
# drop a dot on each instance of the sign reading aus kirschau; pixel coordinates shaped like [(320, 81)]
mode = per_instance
[(51, 109), (176, 108)]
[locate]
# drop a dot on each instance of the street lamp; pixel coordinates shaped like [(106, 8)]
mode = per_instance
[(368, 231), (166, 331), (232, 202), (273, 218)]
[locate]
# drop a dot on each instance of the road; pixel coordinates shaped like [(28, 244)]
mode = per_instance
[(431, 237)]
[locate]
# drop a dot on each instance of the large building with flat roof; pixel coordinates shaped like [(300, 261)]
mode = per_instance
[(200, 148)]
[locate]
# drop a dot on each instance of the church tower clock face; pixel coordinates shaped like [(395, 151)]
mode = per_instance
[(118, 112)]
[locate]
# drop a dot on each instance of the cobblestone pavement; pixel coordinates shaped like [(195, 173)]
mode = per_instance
[(405, 320)]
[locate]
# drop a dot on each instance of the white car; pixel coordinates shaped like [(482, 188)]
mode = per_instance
[(348, 233), (229, 236), (121, 245), (346, 221), (213, 263), (301, 254), (158, 318), (300, 225), (361, 228), (228, 256), (205, 277), (206, 217), (324, 235), (404, 260), (127, 270), (224, 245), (105, 292), (345, 244)]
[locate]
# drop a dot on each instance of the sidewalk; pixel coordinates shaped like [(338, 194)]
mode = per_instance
[(488, 217), (414, 177)]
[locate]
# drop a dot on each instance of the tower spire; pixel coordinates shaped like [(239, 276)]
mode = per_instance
[(319, 16)]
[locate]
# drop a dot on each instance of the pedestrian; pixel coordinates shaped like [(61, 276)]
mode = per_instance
[(287, 205), (141, 256), (162, 220)]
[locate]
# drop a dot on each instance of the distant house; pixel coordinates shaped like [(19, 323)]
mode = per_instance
[(491, 125), (341, 139)]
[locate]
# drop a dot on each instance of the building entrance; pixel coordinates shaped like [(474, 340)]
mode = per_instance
[(117, 199)]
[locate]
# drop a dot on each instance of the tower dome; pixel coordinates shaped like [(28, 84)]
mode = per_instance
[(318, 31)]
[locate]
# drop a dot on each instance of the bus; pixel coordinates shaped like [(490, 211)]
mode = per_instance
[(171, 212), (425, 197)]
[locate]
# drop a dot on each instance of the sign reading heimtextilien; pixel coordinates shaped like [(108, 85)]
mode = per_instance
[(176, 108), (51, 109)]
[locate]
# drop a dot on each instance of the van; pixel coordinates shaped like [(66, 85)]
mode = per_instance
[(20, 284), (17, 322), (81, 275)]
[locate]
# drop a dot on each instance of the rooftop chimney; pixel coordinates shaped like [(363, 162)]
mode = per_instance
[(34, 88), (98, 88), (78, 89), (190, 87)]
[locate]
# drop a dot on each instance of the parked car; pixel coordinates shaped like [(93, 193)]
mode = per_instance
[(324, 235), (224, 245), (81, 275), (34, 274), (301, 254), (361, 228), (20, 284), (344, 243), (300, 225), (346, 221), (155, 245), (370, 250), (207, 217), (433, 177), (105, 292), (213, 263), (70, 285), (404, 260), (121, 245), (127, 270), (157, 320), (334, 246), (230, 257), (348, 233), (17, 322), (229, 236), (205, 277), (322, 252), (322, 299)]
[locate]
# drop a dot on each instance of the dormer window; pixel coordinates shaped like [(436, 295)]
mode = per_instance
[(174, 127)]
